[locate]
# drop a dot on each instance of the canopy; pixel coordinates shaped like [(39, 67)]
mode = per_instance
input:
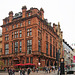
[(30, 64), (18, 65)]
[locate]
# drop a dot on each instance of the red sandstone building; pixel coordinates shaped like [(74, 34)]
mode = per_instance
[(28, 38)]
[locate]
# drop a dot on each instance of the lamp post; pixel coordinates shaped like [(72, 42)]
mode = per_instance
[(39, 65), (58, 58)]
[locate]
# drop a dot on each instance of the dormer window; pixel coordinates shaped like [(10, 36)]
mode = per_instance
[(17, 25), (29, 14), (12, 26), (20, 24), (6, 29)]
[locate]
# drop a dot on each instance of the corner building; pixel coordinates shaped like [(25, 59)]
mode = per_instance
[(28, 38)]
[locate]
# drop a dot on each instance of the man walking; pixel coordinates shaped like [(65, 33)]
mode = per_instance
[(20, 71), (28, 71)]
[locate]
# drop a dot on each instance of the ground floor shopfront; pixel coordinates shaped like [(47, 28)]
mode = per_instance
[(37, 58)]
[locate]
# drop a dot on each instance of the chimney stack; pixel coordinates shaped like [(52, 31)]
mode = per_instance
[(24, 8), (10, 16)]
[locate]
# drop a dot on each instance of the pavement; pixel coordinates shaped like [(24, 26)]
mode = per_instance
[(33, 73)]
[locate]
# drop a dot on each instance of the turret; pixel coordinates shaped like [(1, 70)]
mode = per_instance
[(42, 12), (54, 27)]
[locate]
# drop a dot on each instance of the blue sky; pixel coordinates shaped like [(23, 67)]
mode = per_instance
[(55, 11)]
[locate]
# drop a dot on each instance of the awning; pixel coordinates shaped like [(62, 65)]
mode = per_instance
[(30, 64), (18, 64)]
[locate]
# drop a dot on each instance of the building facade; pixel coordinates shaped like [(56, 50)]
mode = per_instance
[(28, 38), (0, 51), (67, 53)]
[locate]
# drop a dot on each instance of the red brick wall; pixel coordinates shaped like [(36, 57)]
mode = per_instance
[(34, 25)]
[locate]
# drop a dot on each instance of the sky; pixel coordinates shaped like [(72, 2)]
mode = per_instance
[(55, 11)]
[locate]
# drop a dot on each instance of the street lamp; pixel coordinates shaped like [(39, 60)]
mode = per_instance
[(39, 65), (58, 58)]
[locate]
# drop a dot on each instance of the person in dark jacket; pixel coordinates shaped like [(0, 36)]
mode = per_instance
[(13, 71), (20, 71), (23, 71), (9, 71), (28, 71), (37, 69)]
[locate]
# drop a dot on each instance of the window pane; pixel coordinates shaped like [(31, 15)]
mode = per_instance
[(27, 60), (31, 60), (16, 25), (8, 61), (20, 31), (15, 32), (6, 48), (20, 24), (27, 33), (30, 42), (13, 26), (20, 43), (28, 22), (17, 35), (28, 14), (39, 45), (30, 33), (29, 46), (27, 29), (12, 47), (30, 29), (20, 35), (5, 61), (16, 46)]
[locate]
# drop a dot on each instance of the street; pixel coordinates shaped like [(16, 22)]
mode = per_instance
[(33, 73)]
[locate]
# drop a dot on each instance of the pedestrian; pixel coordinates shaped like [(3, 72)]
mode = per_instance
[(49, 69), (28, 71), (58, 70), (9, 71), (33, 69), (23, 71), (54, 68), (37, 69), (20, 71), (13, 72)]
